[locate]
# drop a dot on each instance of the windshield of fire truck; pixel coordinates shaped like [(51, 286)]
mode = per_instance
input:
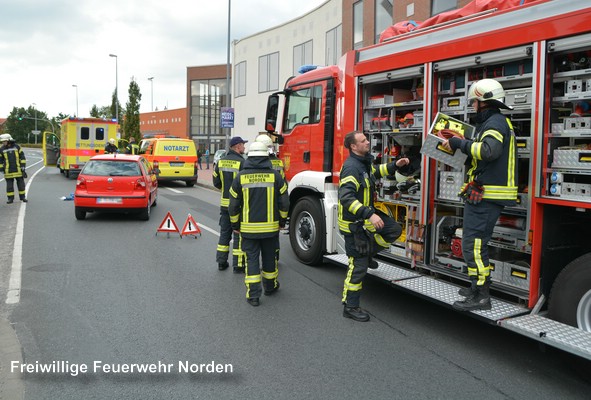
[(303, 107)]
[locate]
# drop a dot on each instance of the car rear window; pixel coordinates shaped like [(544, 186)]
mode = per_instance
[(111, 168)]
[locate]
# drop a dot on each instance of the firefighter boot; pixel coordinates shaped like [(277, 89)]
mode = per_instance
[(223, 266), (355, 313), (479, 301), (469, 291)]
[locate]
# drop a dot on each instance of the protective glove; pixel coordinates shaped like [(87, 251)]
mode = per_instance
[(455, 143), (24, 172), (363, 240), (472, 193)]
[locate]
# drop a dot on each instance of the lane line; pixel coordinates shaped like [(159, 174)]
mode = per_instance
[(174, 190), (13, 295)]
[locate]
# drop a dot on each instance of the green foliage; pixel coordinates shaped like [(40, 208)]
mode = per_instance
[(22, 121), (131, 122)]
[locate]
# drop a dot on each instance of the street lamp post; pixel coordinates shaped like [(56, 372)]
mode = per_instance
[(76, 86), (228, 102), (116, 88), (151, 79)]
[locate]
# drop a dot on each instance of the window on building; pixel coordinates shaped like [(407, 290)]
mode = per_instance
[(384, 17), (304, 107), (439, 6), (334, 47), (250, 121), (240, 78), (358, 25), (302, 55), (269, 72), (207, 98)]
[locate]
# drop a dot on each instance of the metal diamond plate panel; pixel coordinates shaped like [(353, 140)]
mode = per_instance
[(448, 293), (384, 271), (553, 333)]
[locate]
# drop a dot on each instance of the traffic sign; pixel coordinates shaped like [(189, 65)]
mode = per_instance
[(168, 225), (227, 117), (190, 227)]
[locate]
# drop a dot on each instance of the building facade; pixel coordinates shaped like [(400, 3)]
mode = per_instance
[(165, 122), (264, 61)]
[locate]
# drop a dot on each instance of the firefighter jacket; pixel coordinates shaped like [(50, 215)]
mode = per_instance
[(12, 161), (356, 190), (132, 148), (259, 201), (224, 173), (277, 164), (492, 157), (111, 149)]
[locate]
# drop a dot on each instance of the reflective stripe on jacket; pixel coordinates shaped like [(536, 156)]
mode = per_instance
[(224, 173)]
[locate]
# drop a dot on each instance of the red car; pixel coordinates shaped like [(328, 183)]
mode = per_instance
[(116, 182)]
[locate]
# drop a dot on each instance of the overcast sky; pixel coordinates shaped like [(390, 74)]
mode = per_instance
[(46, 46)]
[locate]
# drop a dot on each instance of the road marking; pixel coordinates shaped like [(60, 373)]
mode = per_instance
[(174, 190), (14, 283), (208, 229)]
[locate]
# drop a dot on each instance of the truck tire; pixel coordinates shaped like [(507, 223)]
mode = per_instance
[(307, 232), (80, 213), (191, 183), (570, 297)]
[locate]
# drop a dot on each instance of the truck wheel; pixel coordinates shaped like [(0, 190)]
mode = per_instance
[(570, 298), (80, 213), (307, 233), (67, 173), (191, 183)]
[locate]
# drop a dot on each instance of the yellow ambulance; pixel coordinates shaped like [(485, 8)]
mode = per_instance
[(79, 139), (174, 159)]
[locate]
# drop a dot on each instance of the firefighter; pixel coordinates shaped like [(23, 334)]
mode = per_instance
[(224, 173), (111, 147), (132, 147), (491, 185), (13, 164), (275, 161), (259, 204), (366, 230)]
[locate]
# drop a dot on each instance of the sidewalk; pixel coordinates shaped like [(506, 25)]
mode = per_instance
[(204, 177)]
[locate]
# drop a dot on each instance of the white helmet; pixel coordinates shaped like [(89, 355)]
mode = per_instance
[(488, 90), (6, 137), (266, 140), (258, 149)]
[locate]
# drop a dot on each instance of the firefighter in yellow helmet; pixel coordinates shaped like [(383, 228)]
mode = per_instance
[(12, 165), (491, 185), (111, 147), (275, 161), (259, 204)]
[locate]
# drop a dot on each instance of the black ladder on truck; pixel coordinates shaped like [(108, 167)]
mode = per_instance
[(505, 314)]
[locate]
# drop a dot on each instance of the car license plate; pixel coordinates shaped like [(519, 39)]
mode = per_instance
[(177, 164), (109, 200)]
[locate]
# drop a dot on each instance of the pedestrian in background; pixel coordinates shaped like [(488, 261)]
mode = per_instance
[(491, 177), (366, 230), (224, 173), (199, 157), (207, 158), (13, 165), (259, 204)]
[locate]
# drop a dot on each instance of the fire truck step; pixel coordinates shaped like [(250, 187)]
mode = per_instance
[(384, 271), (433, 289), (553, 333)]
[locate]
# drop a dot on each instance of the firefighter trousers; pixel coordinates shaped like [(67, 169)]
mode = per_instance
[(20, 184), (268, 250), (226, 234), (358, 263), (479, 223)]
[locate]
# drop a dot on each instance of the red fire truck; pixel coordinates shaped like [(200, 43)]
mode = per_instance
[(392, 91)]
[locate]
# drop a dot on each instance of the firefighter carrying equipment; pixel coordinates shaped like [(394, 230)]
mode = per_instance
[(472, 193)]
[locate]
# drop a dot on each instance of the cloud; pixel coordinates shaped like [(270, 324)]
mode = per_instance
[(46, 46)]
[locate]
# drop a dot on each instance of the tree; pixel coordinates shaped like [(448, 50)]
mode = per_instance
[(131, 122), (103, 112), (114, 109), (21, 122)]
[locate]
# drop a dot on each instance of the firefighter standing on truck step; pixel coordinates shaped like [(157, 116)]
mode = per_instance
[(259, 204), (491, 177), (367, 231), (224, 173), (13, 164)]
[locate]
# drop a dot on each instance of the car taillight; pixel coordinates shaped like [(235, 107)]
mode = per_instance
[(140, 184), (81, 183)]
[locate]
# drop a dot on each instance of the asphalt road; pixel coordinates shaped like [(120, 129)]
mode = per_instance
[(109, 291)]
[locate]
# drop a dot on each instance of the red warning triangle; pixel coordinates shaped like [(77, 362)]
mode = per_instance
[(191, 227), (168, 224)]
